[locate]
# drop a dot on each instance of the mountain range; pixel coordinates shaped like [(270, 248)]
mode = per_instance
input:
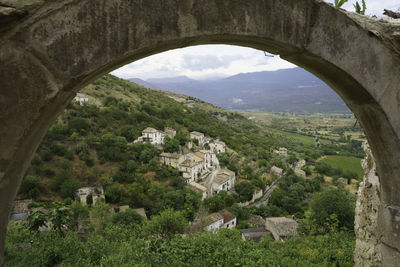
[(288, 90)]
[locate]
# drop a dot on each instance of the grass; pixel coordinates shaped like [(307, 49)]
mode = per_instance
[(345, 163), (307, 140)]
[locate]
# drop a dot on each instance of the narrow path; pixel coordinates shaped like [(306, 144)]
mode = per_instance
[(265, 197)]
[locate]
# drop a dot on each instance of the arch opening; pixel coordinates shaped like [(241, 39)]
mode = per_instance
[(362, 67)]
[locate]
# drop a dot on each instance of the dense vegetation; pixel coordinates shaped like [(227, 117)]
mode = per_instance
[(131, 246)]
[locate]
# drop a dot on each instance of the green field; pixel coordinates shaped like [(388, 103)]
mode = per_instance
[(307, 140), (345, 163)]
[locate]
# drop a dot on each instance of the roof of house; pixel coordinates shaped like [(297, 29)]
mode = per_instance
[(227, 215), (227, 172), (284, 226), (254, 234), (188, 163), (149, 130), (221, 178), (212, 218), (197, 187), (196, 133), (220, 142), (170, 155), (199, 155)]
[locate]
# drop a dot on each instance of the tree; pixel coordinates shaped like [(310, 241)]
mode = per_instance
[(115, 193), (30, 186), (127, 218), (244, 190), (68, 188), (101, 216), (167, 224), (333, 202), (36, 219), (129, 132), (171, 145), (60, 217)]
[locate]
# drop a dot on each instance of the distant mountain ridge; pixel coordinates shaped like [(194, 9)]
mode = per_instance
[(288, 90)]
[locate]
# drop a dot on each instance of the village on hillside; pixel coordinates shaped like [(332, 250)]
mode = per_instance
[(199, 168)]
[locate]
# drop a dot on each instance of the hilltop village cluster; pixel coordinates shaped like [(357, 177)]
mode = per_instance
[(197, 163)]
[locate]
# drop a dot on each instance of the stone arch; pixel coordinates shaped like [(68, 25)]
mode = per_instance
[(51, 49)]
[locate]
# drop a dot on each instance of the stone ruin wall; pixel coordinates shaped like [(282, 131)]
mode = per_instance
[(367, 252)]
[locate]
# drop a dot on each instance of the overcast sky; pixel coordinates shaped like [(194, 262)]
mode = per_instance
[(212, 61)]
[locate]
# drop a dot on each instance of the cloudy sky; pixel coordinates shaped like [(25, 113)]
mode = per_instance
[(214, 61)]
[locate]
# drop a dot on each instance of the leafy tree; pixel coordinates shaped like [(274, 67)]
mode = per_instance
[(78, 125), (167, 224), (126, 218), (101, 216), (244, 190), (333, 202), (36, 219), (79, 215), (68, 188), (171, 145), (219, 201), (129, 132), (115, 193), (59, 216), (30, 186)]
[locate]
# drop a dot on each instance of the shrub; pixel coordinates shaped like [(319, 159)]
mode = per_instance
[(30, 186), (127, 218), (68, 188), (45, 155)]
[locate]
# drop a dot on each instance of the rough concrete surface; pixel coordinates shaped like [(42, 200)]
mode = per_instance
[(51, 49)]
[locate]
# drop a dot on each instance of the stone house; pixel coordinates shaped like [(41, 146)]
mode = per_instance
[(190, 170), (95, 192), (229, 219), (153, 136), (213, 222), (210, 160), (224, 180), (276, 171), (171, 159), (81, 98), (169, 132), (217, 146), (282, 151), (281, 227), (198, 188), (197, 135)]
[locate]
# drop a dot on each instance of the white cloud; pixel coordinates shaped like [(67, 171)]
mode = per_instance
[(208, 61)]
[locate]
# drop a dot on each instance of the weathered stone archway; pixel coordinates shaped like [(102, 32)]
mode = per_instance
[(51, 49)]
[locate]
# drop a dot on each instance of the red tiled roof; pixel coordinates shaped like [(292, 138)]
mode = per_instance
[(227, 215)]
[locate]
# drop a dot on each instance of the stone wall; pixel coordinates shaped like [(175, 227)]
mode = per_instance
[(367, 252)]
